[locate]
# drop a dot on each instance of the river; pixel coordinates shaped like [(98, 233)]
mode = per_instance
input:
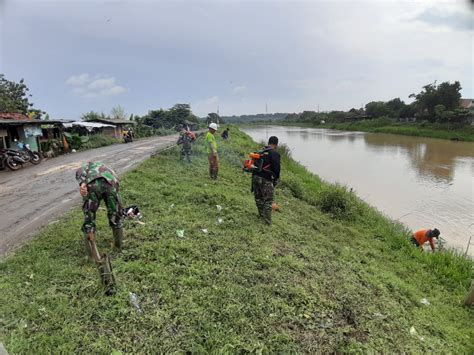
[(422, 182)]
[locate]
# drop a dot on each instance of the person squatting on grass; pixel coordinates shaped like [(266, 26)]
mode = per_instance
[(265, 180), (99, 182), (212, 151), (422, 236)]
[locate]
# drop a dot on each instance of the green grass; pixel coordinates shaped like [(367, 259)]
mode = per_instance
[(342, 280)]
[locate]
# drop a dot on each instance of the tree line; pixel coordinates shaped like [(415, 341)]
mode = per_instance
[(434, 103)]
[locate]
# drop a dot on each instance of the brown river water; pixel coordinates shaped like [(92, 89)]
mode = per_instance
[(421, 182)]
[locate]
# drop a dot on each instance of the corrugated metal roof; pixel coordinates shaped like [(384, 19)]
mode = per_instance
[(14, 122), (112, 121), (87, 124)]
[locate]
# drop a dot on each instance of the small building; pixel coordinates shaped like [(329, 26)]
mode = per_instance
[(468, 104), (116, 126), (86, 127), (17, 126)]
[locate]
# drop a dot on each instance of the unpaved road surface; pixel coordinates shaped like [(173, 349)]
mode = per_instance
[(37, 195)]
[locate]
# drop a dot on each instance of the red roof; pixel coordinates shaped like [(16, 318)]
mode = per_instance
[(13, 116)]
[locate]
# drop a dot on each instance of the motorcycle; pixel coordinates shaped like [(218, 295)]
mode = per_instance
[(27, 154), (127, 137), (12, 159)]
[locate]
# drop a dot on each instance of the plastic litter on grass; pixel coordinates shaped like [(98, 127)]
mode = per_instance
[(180, 233)]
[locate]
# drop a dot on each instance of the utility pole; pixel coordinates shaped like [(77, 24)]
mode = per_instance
[(266, 108), (217, 115), (318, 108)]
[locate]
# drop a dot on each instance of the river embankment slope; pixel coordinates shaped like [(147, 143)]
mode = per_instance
[(330, 274)]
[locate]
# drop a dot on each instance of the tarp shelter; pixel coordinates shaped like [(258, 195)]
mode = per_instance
[(88, 125), (119, 126)]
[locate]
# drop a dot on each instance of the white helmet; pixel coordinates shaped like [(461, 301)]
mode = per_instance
[(213, 126)]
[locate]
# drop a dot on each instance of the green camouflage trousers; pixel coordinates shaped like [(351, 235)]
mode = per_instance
[(100, 189), (185, 153), (263, 192)]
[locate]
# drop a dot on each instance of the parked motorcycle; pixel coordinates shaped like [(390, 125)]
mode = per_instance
[(127, 137), (12, 159), (27, 154)]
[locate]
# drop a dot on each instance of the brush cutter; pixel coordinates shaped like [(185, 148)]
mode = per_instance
[(103, 264)]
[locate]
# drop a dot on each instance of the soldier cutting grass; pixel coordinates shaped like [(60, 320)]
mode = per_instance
[(99, 182), (264, 179)]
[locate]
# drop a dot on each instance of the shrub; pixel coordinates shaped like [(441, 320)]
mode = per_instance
[(98, 140), (294, 186), (338, 202)]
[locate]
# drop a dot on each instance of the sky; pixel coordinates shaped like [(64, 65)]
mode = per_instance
[(77, 56)]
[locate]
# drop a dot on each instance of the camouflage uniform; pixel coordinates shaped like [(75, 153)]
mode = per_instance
[(263, 191), (102, 184), (264, 182), (186, 141)]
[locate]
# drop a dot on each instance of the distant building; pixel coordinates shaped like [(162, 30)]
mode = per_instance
[(17, 126), (468, 104), (117, 128)]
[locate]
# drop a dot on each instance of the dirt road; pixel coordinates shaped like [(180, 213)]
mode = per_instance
[(37, 195)]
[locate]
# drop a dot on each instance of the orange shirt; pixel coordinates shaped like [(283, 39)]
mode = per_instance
[(421, 238)]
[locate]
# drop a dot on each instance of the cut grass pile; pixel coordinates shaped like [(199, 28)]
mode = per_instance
[(331, 274)]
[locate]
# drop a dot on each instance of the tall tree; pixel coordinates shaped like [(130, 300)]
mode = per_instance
[(432, 95), (118, 113), (92, 115), (212, 117), (14, 97)]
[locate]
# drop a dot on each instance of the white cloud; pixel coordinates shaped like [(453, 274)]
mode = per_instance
[(240, 89), (92, 86), (114, 90), (77, 80)]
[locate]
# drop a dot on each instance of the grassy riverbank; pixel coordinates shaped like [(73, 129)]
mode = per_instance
[(442, 131), (331, 274)]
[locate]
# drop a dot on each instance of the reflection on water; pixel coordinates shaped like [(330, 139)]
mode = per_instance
[(432, 158), (422, 182)]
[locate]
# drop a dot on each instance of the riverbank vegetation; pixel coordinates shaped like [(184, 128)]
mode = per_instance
[(330, 275), (437, 111), (425, 129)]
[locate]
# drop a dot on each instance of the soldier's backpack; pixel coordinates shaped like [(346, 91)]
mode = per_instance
[(256, 163)]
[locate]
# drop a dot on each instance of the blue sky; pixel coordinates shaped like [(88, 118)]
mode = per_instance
[(78, 56)]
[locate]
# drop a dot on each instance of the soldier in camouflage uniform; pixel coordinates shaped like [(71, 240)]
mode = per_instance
[(186, 140), (265, 180), (99, 182)]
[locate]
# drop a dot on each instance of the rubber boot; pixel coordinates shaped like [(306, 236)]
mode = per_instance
[(88, 248), (118, 239), (267, 215)]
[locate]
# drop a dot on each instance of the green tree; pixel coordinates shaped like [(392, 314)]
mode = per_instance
[(213, 117), (118, 113), (92, 115), (378, 109), (395, 107), (14, 97), (445, 94)]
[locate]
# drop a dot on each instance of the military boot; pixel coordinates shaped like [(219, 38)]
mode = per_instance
[(267, 215), (88, 248), (118, 239)]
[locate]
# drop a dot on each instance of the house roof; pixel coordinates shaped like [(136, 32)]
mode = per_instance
[(87, 124), (466, 103), (112, 121), (13, 116), (18, 122)]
